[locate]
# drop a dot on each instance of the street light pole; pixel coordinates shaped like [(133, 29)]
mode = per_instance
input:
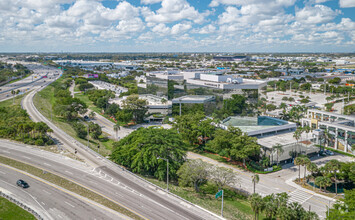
[(167, 172)]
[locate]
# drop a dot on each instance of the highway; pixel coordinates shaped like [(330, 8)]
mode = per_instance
[(39, 196), (137, 195), (31, 82)]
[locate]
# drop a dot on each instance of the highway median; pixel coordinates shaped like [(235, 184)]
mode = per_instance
[(71, 186)]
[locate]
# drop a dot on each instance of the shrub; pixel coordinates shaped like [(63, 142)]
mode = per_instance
[(39, 142)]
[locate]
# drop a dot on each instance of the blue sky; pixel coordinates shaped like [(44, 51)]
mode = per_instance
[(177, 26)]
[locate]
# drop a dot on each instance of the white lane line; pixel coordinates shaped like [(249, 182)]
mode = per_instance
[(69, 172), (60, 216), (26, 157), (2, 172), (46, 191), (47, 164), (43, 203), (70, 204)]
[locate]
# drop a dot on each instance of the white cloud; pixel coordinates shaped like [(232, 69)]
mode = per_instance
[(180, 28), (173, 10), (316, 14), (150, 1), (346, 3)]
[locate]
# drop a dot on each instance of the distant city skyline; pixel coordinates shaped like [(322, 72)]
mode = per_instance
[(177, 26)]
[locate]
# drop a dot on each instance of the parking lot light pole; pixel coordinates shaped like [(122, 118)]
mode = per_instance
[(167, 172)]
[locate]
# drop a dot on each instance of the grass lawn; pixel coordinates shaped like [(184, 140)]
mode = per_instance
[(11, 101), (45, 98), (233, 208), (89, 103), (10, 211)]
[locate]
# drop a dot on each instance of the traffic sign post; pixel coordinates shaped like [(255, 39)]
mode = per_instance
[(219, 194)]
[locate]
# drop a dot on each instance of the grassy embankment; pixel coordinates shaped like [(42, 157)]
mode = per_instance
[(234, 208), (11, 211), (45, 98), (67, 184)]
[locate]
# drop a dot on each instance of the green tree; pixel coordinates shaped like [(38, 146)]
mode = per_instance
[(193, 173), (312, 167), (124, 116), (299, 162), (279, 151), (255, 179), (139, 151), (306, 161), (345, 208), (137, 106), (222, 176), (116, 128), (334, 166), (257, 204), (323, 182), (94, 130)]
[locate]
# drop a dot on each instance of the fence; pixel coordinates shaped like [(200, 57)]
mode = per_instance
[(23, 206)]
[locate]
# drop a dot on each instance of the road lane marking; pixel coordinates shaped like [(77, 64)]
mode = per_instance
[(46, 191), (26, 157), (70, 204), (2, 172), (69, 172), (47, 164), (84, 198)]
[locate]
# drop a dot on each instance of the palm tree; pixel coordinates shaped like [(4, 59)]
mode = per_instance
[(257, 204), (312, 167), (297, 134), (298, 162), (334, 165), (255, 179), (323, 181), (279, 151), (116, 127), (307, 129), (306, 161)]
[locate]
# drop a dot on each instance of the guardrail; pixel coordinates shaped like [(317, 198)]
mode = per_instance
[(23, 206)]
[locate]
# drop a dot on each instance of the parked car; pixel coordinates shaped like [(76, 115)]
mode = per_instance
[(86, 117), (328, 152), (322, 153), (22, 184)]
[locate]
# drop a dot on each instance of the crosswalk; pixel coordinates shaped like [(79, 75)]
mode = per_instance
[(299, 196)]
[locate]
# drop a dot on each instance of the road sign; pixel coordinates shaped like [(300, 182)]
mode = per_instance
[(219, 194)]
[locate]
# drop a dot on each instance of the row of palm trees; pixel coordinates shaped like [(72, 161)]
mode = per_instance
[(276, 206), (329, 170)]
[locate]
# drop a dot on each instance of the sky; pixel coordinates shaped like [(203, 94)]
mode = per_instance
[(177, 26)]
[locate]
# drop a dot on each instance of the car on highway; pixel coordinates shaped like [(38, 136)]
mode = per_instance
[(328, 152), (22, 184)]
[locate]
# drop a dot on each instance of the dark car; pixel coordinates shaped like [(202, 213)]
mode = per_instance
[(22, 183), (86, 117)]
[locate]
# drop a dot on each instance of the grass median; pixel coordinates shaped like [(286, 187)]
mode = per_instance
[(69, 185), (9, 210), (44, 100)]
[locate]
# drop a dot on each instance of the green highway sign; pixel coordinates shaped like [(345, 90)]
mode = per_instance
[(219, 194)]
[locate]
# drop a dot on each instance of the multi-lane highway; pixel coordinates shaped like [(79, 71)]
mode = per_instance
[(139, 196), (50, 201), (33, 81)]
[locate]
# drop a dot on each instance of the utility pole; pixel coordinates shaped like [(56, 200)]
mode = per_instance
[(167, 172), (222, 204), (88, 137)]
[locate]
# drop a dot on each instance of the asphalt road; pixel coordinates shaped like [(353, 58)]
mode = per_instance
[(40, 197), (144, 199), (141, 198), (31, 82)]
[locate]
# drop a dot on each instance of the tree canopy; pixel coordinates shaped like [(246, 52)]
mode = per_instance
[(140, 149)]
